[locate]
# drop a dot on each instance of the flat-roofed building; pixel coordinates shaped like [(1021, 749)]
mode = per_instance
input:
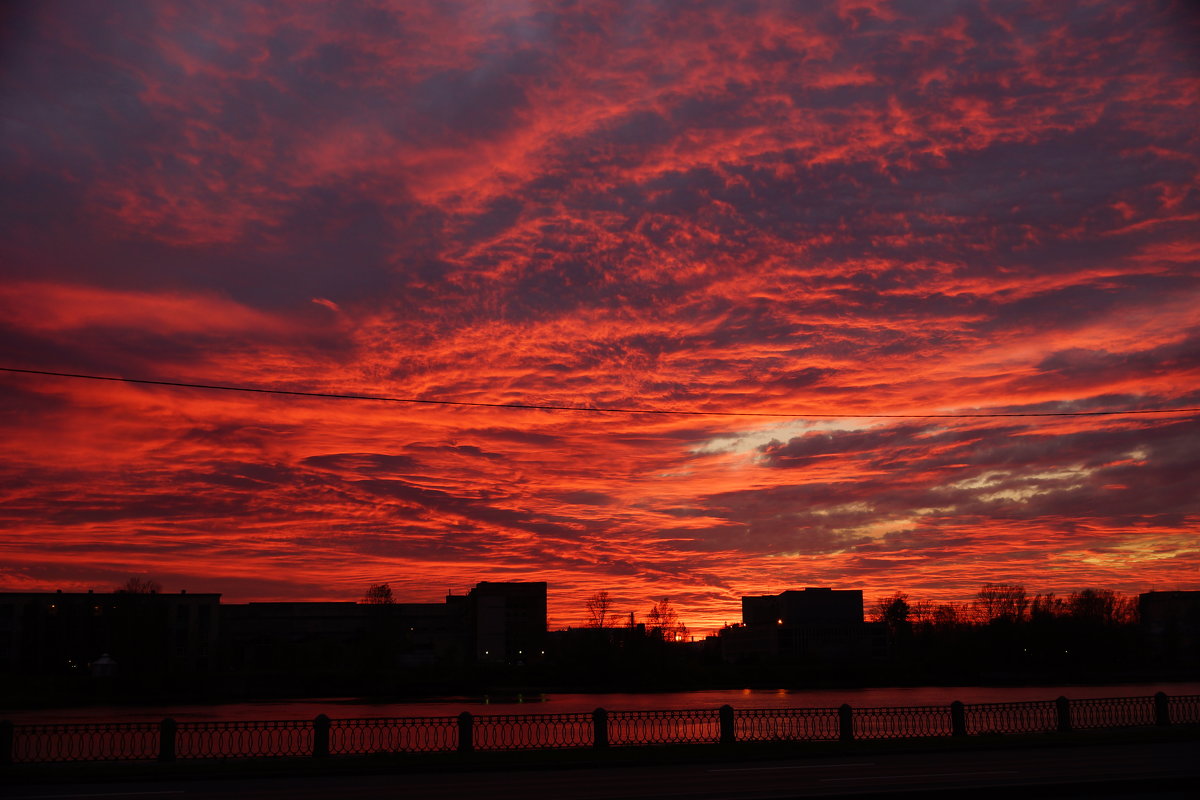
[(821, 624), (143, 634), (820, 606), (507, 621), (1170, 623)]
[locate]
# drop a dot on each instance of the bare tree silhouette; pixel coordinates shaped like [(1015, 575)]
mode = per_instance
[(379, 594), (663, 621), (894, 611), (599, 607), (137, 585), (1101, 607), (1001, 602)]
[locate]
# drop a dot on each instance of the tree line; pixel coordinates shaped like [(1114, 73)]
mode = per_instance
[(1005, 604), (662, 620)]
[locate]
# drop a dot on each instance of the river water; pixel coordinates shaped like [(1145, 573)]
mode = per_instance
[(351, 708)]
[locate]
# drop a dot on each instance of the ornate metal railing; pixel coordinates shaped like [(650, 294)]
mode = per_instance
[(1183, 709), (785, 724), (244, 739), (663, 727), (1112, 712), (392, 735), (322, 737), (533, 731), (111, 741), (902, 722), (1031, 717)]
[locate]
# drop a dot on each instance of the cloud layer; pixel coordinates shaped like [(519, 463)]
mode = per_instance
[(861, 207)]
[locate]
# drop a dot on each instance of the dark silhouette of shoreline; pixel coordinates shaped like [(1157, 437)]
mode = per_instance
[(147, 646)]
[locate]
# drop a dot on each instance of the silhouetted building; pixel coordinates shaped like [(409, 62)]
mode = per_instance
[(507, 621), (822, 607), (500, 622), (153, 634), (160, 635), (293, 637), (815, 625), (429, 633), (1170, 623)]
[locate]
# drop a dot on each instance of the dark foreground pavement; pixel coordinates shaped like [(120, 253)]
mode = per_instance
[(1163, 770)]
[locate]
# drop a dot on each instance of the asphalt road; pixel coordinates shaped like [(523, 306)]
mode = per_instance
[(1160, 770)]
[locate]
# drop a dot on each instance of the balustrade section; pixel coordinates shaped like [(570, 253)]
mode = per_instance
[(323, 737)]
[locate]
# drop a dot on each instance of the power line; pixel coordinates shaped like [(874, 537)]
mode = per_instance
[(590, 409)]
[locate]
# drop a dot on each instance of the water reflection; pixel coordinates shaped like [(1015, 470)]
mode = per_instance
[(343, 708)]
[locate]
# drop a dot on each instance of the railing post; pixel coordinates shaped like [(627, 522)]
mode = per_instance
[(6, 742), (321, 724), (1162, 710), (1063, 706), (728, 735), (599, 728), (958, 719), (466, 741), (845, 723), (166, 739)]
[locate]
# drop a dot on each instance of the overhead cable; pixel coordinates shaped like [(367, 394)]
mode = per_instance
[(592, 409)]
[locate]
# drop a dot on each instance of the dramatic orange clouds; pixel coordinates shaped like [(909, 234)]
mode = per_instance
[(793, 209)]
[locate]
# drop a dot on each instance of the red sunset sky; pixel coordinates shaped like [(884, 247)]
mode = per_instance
[(856, 207)]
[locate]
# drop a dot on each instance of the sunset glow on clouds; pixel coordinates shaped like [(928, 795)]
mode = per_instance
[(796, 209)]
